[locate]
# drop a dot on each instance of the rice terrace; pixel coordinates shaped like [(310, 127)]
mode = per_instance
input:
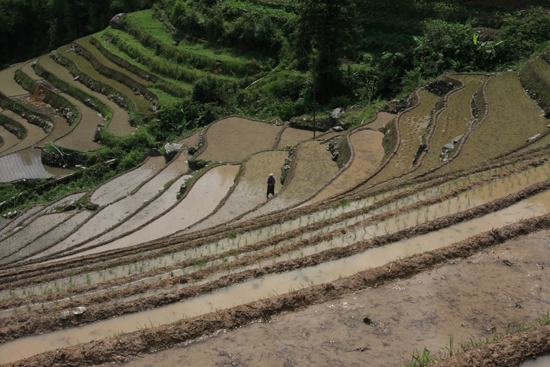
[(409, 140)]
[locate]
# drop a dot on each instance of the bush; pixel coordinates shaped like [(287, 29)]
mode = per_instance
[(207, 89), (131, 160)]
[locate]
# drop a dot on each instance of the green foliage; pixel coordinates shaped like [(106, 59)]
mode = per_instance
[(131, 160), (207, 89), (324, 27)]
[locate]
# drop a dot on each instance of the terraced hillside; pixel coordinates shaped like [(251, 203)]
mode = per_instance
[(432, 225)]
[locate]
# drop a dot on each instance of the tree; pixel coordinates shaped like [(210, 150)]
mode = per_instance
[(324, 29)]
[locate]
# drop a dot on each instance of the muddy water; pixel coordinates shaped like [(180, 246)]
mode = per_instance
[(84, 65), (291, 137), (119, 124), (124, 184), (34, 133), (367, 145), (116, 213), (154, 209), (26, 164), (203, 198), (543, 361), (50, 238), (314, 167), (455, 120), (35, 229), (8, 85), (8, 140), (406, 220), (250, 191), (276, 284), (463, 298), (412, 125), (81, 137), (234, 138), (381, 120)]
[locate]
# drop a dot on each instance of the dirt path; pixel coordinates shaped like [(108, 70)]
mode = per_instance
[(383, 326)]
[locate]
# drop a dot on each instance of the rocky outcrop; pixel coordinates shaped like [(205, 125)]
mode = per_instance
[(306, 123), (116, 21), (56, 159), (171, 151), (440, 87)]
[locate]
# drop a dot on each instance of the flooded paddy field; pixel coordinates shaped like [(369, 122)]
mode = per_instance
[(384, 259)]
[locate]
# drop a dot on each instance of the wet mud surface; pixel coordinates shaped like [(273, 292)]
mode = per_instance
[(81, 137), (162, 337), (382, 326), (26, 164), (9, 86), (314, 167), (226, 142), (368, 154), (291, 137), (250, 191), (382, 118), (512, 119), (119, 124)]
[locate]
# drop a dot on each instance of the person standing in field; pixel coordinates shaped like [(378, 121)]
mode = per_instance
[(270, 185)]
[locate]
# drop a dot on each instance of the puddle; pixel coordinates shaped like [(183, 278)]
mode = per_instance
[(276, 284), (543, 361)]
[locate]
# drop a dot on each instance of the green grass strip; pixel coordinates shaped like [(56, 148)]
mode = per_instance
[(87, 99), (97, 85), (151, 33)]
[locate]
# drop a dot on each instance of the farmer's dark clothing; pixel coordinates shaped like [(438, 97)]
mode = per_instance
[(270, 186)]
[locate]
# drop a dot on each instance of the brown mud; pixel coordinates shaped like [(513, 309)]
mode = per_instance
[(114, 258), (225, 141), (118, 348), (31, 323), (382, 326)]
